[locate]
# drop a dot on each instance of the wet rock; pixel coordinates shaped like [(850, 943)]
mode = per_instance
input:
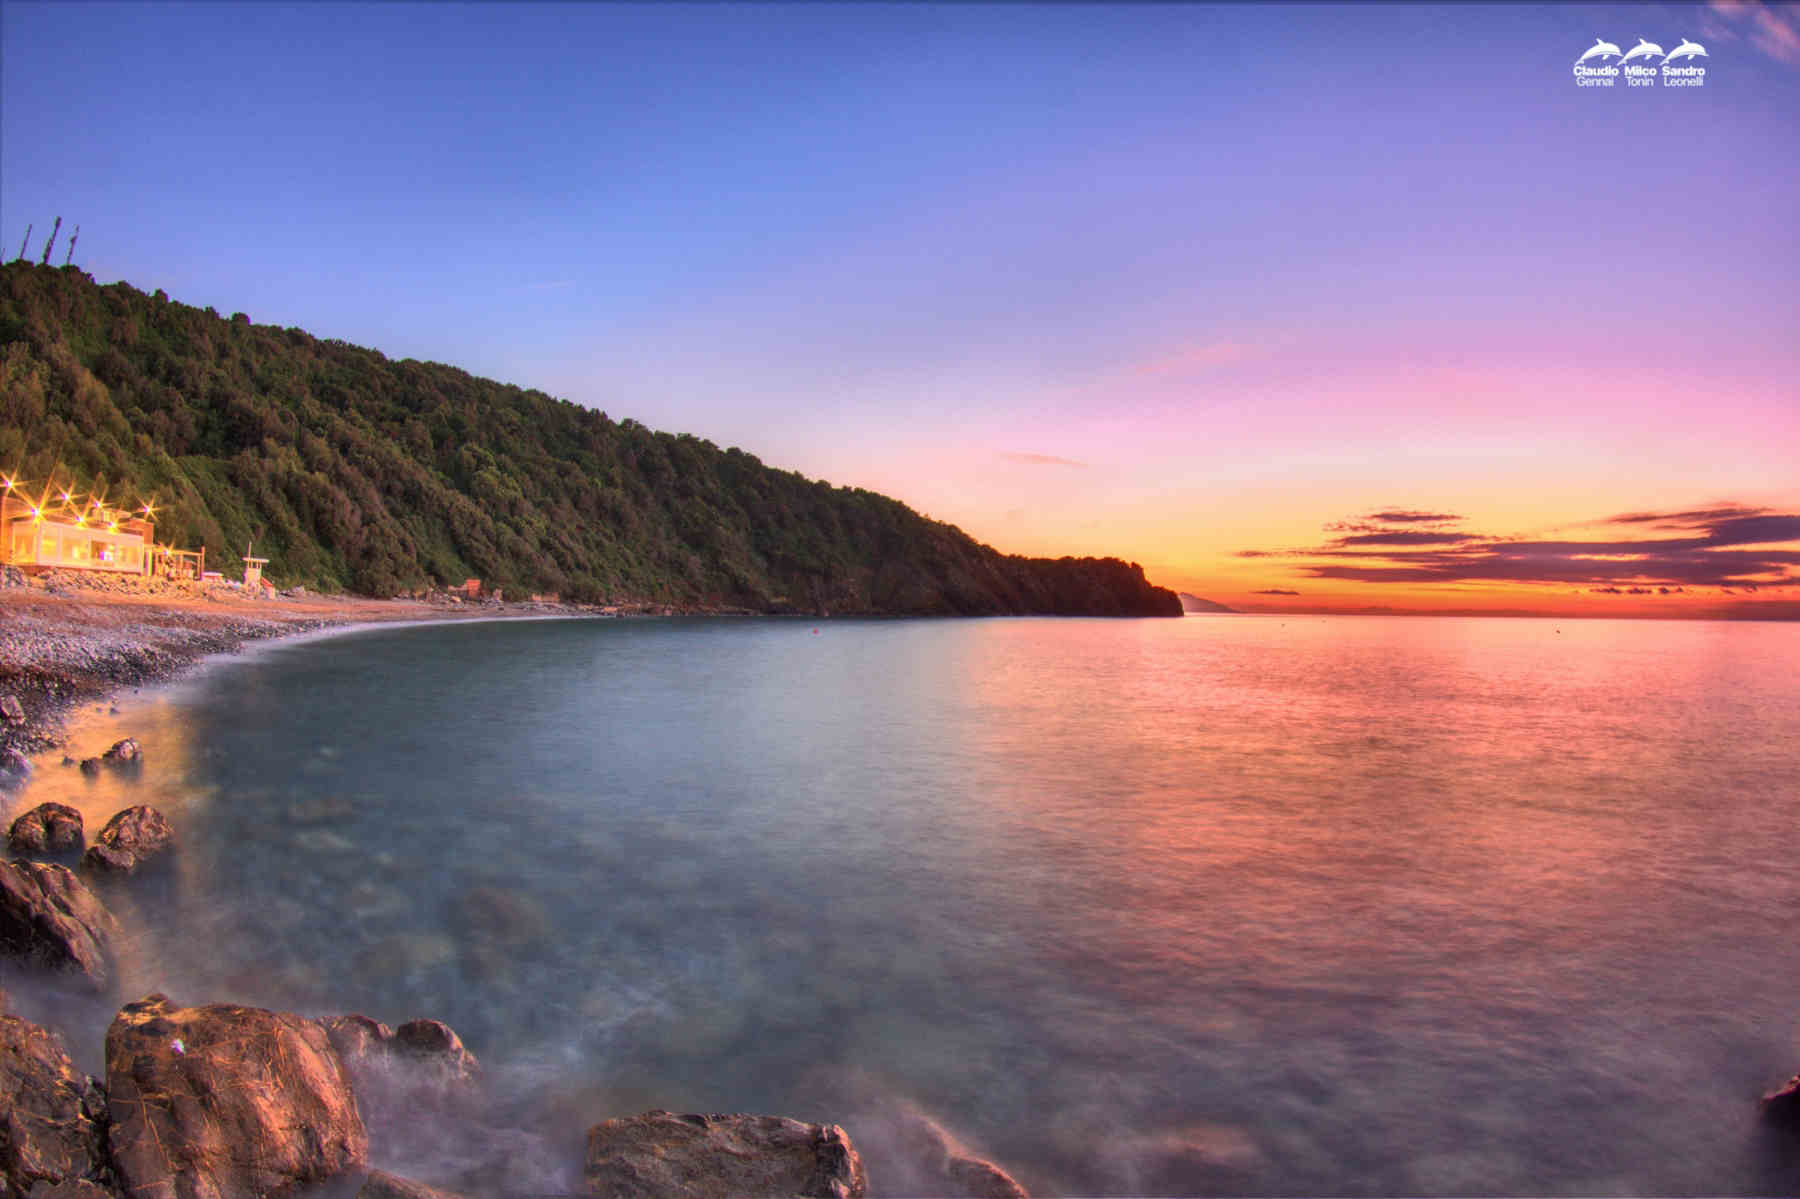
[(924, 1159), (422, 1064), (382, 1185), (14, 766), (430, 1045), (90, 767), (51, 1116), (49, 918), (434, 1044), (130, 839), (105, 859), (659, 1153), (357, 1038), (1782, 1107), (123, 752), (225, 1100), (47, 828), (11, 710)]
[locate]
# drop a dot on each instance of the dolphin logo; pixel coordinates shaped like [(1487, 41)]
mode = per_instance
[(1687, 49), (1643, 49), (1599, 49)]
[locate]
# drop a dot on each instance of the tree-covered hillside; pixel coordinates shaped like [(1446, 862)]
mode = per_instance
[(351, 471)]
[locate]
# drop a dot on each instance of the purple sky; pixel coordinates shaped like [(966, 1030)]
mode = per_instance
[(1173, 282)]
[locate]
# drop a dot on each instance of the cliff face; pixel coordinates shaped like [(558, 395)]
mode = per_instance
[(351, 471)]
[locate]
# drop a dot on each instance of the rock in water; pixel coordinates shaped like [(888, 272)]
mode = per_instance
[(429, 1045), (51, 1117), (130, 839), (932, 1162), (418, 1071), (48, 917), (47, 828), (435, 1044), (1782, 1107), (224, 1100), (14, 766), (382, 1185), (358, 1038), (720, 1157), (123, 752)]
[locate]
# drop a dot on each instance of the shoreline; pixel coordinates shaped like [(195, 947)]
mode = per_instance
[(65, 646)]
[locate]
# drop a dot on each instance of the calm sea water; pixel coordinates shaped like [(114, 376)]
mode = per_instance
[(1243, 905)]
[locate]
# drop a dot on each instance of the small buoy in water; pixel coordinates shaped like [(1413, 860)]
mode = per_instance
[(815, 632)]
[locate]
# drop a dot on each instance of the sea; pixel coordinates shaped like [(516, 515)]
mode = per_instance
[(1223, 905)]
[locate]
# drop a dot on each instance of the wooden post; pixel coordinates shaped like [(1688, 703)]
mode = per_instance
[(27, 242), (51, 242)]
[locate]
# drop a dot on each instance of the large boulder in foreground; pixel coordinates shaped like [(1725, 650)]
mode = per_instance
[(224, 1100), (49, 918), (130, 839), (1782, 1108), (47, 828), (52, 1118), (720, 1157)]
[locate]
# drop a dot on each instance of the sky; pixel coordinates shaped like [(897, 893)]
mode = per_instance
[(1323, 308)]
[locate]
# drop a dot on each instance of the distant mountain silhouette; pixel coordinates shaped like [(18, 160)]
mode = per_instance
[(354, 472), (1193, 603)]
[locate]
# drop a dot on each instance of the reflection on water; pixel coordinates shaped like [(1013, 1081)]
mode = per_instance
[(1245, 905)]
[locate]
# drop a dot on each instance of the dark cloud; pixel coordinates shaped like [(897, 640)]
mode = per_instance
[(1691, 518), (1716, 548), (1407, 537), (1275, 591), (1407, 516)]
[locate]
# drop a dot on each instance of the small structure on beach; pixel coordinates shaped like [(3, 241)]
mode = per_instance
[(62, 530), (74, 536)]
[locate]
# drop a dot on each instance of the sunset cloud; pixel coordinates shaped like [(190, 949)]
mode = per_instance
[(1730, 546), (1406, 516), (1039, 459), (1274, 591), (1772, 28), (1407, 537)]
